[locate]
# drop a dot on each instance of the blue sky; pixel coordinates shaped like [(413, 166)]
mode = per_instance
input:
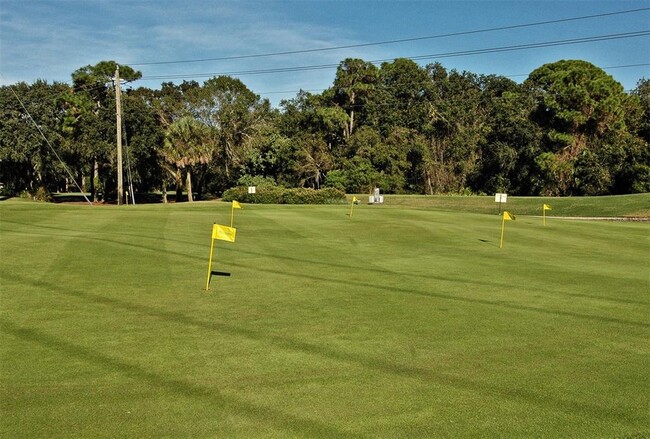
[(50, 39)]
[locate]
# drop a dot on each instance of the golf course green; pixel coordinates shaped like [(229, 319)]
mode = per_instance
[(404, 320)]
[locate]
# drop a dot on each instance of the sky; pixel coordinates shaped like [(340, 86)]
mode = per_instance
[(170, 40)]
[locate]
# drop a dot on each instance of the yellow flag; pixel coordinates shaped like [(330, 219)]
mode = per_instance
[(236, 205), (354, 199), (547, 207), (223, 233), (507, 216)]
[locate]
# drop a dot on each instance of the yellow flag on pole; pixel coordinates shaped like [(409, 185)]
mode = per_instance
[(507, 216), (223, 233), (235, 205), (544, 209), (354, 200)]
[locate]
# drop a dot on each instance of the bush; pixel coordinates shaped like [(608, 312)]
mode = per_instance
[(280, 195), (41, 194), (311, 196), (337, 179), (255, 180)]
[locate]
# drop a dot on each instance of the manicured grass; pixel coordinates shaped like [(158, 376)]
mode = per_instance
[(637, 205), (397, 322)]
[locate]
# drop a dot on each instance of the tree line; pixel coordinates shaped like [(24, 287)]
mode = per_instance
[(568, 129)]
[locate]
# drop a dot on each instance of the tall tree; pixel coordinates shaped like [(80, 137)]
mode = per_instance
[(92, 107), (355, 80), (402, 96), (456, 127), (235, 113), (580, 107), (27, 160), (313, 160), (188, 144), (504, 159), (143, 135)]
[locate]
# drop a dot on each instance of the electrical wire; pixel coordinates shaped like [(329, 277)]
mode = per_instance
[(402, 40), (511, 48), (128, 162)]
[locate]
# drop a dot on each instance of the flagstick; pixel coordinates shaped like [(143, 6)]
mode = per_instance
[(503, 223), (232, 214), (544, 214), (351, 207), (207, 283)]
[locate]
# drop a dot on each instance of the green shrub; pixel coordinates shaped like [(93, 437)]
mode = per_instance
[(255, 180), (337, 179), (280, 195), (41, 194)]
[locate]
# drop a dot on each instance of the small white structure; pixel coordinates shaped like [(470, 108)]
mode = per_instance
[(251, 189), (500, 198), (375, 198)]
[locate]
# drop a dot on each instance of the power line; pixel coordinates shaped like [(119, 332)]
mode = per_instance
[(626, 66), (403, 40), (419, 57)]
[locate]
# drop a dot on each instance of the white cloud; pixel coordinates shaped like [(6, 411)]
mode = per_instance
[(51, 39)]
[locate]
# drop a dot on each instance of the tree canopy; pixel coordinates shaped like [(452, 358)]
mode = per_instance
[(568, 129)]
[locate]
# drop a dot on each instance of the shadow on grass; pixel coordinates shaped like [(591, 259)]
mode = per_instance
[(268, 415), (140, 198), (378, 364), (364, 267)]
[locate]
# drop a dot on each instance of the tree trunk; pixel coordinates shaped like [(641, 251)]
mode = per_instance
[(164, 192), (94, 181), (179, 186), (190, 197), (428, 185)]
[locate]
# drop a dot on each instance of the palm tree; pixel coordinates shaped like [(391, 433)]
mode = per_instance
[(313, 160), (188, 143)]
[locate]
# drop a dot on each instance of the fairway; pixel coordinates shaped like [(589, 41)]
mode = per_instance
[(397, 322)]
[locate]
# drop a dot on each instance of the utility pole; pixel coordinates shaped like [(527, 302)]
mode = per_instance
[(118, 107)]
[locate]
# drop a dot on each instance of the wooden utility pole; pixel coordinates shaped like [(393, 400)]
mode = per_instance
[(118, 107)]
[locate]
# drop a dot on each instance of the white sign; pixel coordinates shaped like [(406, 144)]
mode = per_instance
[(251, 189), (500, 198)]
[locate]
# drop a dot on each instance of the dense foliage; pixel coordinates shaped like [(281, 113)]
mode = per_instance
[(569, 129)]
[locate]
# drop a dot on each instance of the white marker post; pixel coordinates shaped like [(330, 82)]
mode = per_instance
[(500, 198)]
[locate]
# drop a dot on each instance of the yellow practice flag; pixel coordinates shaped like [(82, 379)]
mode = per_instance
[(354, 200), (507, 216), (544, 209), (235, 205), (223, 233)]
